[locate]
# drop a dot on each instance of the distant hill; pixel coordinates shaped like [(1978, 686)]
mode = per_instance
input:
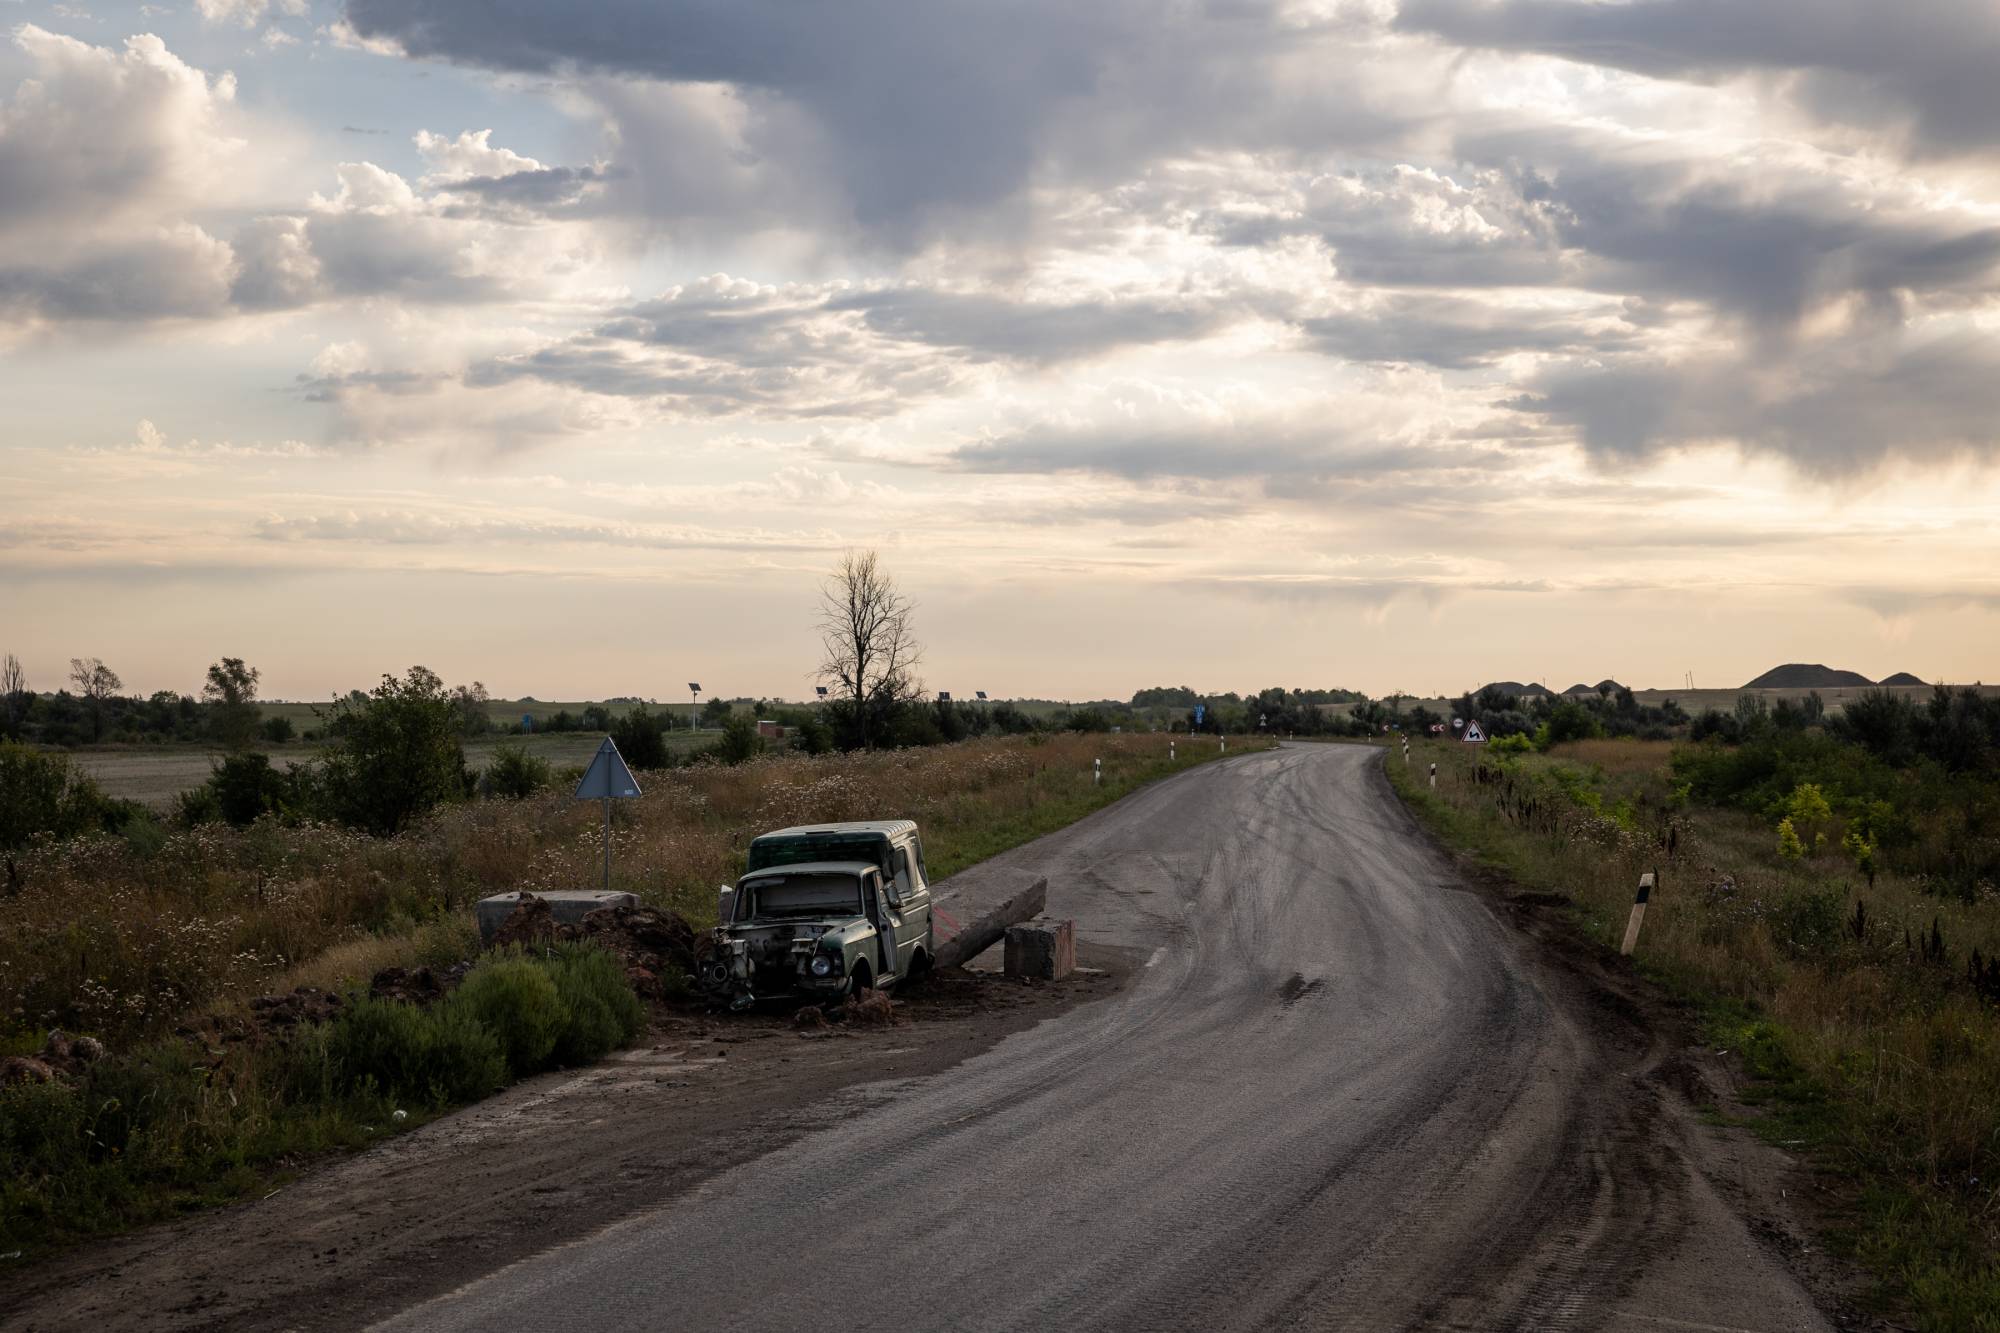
[(1579, 688), (1514, 687), (1903, 678), (1605, 686), (1801, 676)]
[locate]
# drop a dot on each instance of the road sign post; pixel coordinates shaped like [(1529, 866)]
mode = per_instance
[(607, 779)]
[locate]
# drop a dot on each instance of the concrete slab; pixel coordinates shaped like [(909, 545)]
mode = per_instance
[(568, 906)]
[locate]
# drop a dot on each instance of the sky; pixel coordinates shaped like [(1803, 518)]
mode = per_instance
[(1390, 346)]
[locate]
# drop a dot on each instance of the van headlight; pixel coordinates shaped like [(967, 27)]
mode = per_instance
[(822, 966)]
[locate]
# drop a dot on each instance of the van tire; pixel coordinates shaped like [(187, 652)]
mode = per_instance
[(864, 980), (920, 963)]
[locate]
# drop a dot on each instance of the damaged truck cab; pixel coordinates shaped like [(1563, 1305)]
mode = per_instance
[(823, 911)]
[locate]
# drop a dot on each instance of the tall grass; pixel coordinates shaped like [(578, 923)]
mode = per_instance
[(1869, 1045), (122, 940)]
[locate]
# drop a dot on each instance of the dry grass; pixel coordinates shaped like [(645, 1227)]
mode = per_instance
[(124, 941), (1878, 1057)]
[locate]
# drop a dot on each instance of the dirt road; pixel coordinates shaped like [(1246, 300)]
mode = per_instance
[(1343, 1091)]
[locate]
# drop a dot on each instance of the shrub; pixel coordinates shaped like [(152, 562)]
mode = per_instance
[(518, 1003), (641, 739), (514, 773), (604, 1014), (277, 730), (246, 786), (197, 805), (1789, 845), (42, 793), (740, 740), (402, 1052)]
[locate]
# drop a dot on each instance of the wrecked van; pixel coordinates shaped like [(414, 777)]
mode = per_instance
[(823, 911)]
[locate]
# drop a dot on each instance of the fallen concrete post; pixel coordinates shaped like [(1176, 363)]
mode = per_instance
[(972, 938), (1043, 949)]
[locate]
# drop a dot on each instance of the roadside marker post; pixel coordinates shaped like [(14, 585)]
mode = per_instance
[(1097, 772), (1646, 882), (607, 779), (1170, 752), (1434, 777)]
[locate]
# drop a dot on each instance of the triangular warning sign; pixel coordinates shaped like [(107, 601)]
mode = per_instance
[(607, 778), (1472, 734)]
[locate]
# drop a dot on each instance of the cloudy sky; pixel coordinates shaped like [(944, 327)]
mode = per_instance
[(1227, 342)]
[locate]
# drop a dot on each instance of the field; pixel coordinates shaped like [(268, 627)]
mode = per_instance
[(1843, 992), (154, 774)]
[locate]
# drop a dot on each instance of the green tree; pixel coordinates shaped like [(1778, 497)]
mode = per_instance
[(396, 755), (231, 692), (740, 740), (641, 737)]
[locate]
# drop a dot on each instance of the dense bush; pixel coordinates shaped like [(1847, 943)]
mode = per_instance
[(395, 754), (603, 1013), (517, 1001), (278, 729), (429, 1057), (515, 773), (246, 787), (740, 740), (43, 793), (641, 738)]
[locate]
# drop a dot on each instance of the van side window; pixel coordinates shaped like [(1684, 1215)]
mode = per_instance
[(922, 869), (903, 886)]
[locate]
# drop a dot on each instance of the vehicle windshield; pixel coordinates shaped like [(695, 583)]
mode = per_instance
[(805, 896), (868, 848)]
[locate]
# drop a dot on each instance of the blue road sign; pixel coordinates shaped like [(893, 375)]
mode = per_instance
[(1199, 710)]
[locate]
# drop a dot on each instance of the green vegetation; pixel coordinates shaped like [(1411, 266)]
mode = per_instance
[(1828, 899), (142, 1135), (45, 795)]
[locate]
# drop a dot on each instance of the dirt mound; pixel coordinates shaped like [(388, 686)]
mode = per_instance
[(655, 945), (417, 985), (532, 921), (273, 1014), (1807, 676), (1904, 678), (62, 1056), (871, 1008)]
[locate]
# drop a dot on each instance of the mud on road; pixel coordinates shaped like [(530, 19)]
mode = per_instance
[(547, 1161)]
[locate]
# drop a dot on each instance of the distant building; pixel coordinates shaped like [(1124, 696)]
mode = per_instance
[(770, 730)]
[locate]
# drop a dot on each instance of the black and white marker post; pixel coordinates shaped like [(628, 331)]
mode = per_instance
[(1638, 913), (1434, 777), (1097, 772)]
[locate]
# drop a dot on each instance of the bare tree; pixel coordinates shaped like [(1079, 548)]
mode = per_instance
[(13, 692), (231, 692), (96, 682), (865, 632)]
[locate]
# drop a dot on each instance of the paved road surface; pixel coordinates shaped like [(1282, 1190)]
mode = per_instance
[(1341, 1094)]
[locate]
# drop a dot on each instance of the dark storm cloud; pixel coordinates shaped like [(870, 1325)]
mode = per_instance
[(1928, 63), (992, 325), (1766, 243), (1457, 334), (895, 117), (1836, 406)]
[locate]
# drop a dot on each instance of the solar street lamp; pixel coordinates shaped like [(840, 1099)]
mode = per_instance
[(694, 713)]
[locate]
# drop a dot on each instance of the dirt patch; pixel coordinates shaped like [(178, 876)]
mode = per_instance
[(550, 1160)]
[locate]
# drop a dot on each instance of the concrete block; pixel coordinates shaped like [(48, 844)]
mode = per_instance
[(1043, 948), (567, 906)]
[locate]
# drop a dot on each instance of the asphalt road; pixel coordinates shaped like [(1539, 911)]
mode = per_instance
[(1342, 1093)]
